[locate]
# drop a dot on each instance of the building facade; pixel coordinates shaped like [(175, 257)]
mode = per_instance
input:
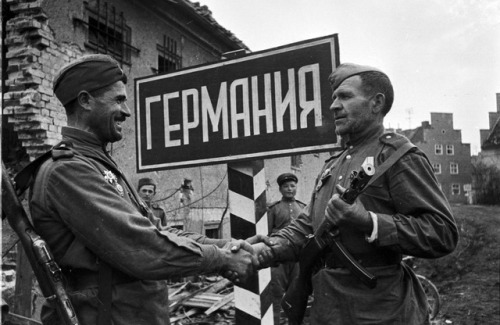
[(450, 158), (146, 37)]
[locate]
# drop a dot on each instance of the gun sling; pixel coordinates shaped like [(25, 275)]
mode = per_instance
[(372, 260)]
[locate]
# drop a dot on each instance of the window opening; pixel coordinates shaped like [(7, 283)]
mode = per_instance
[(108, 32), (168, 59), (296, 161), (438, 149)]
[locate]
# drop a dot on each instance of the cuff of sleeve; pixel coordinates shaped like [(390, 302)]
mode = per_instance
[(387, 230), (374, 234), (212, 260)]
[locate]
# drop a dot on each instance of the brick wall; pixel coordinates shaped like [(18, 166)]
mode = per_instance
[(33, 57)]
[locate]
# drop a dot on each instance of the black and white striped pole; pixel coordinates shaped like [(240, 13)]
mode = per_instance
[(247, 205)]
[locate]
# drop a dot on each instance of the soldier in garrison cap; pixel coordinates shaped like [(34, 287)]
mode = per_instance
[(115, 256), (147, 191), (279, 215), (403, 212)]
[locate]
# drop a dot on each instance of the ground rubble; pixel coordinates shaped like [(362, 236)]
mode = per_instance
[(209, 301)]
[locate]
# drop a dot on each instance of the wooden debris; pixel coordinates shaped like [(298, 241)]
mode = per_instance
[(203, 300), (221, 303)]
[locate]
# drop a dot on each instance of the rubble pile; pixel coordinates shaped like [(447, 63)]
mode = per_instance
[(210, 301)]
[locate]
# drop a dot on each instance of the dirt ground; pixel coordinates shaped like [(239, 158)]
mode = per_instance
[(468, 280)]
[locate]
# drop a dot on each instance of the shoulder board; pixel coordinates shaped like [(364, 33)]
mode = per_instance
[(273, 204), (300, 202), (62, 150), (334, 155), (394, 140)]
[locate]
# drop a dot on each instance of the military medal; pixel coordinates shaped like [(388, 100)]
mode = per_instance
[(111, 178)]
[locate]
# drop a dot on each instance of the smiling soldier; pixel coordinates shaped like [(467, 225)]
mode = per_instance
[(113, 253)]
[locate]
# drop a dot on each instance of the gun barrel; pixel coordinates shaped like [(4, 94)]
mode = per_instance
[(37, 251)]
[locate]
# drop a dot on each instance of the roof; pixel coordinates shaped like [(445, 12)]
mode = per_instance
[(204, 16), (493, 140)]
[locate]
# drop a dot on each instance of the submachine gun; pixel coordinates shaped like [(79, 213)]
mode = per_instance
[(294, 302), (46, 270)]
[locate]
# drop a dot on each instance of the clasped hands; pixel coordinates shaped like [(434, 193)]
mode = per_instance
[(245, 257)]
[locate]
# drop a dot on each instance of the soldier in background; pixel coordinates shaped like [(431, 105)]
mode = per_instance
[(280, 214), (147, 191)]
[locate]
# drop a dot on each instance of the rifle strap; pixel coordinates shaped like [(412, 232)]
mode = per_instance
[(389, 162)]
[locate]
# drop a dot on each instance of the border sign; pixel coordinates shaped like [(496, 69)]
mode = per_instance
[(265, 104)]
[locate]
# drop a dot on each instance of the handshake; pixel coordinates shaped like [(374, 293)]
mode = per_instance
[(242, 258)]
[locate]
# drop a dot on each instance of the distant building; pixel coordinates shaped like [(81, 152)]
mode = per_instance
[(490, 139), (450, 158)]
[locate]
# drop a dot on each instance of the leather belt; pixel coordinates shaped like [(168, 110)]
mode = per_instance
[(80, 279), (367, 260)]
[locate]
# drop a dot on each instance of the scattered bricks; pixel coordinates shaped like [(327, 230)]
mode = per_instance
[(40, 16), (13, 68), (29, 6), (53, 141), (41, 43), (30, 126), (29, 101), (53, 135), (54, 128), (33, 143), (27, 24), (23, 52), (15, 75), (14, 87), (8, 111), (37, 33), (26, 110), (15, 40), (45, 112), (30, 135), (62, 121), (41, 119), (45, 91), (47, 84), (58, 116), (33, 72)]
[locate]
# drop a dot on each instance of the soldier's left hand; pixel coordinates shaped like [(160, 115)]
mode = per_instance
[(340, 213)]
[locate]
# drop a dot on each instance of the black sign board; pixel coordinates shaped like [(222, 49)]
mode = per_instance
[(265, 104)]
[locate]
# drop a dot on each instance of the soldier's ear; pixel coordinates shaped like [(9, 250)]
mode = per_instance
[(378, 103), (84, 99)]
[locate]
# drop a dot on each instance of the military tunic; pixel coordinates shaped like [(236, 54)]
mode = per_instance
[(280, 214), (159, 213), (414, 218), (82, 206)]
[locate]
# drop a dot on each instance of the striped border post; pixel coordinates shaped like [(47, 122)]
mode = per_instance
[(247, 205)]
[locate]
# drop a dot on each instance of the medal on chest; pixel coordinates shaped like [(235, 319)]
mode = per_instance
[(112, 179)]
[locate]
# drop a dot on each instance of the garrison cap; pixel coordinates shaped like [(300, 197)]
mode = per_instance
[(347, 70), (89, 73), (286, 177), (146, 181)]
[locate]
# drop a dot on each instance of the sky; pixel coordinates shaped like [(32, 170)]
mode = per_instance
[(441, 55)]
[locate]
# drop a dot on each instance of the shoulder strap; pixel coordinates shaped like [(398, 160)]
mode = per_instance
[(390, 162), (26, 176)]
